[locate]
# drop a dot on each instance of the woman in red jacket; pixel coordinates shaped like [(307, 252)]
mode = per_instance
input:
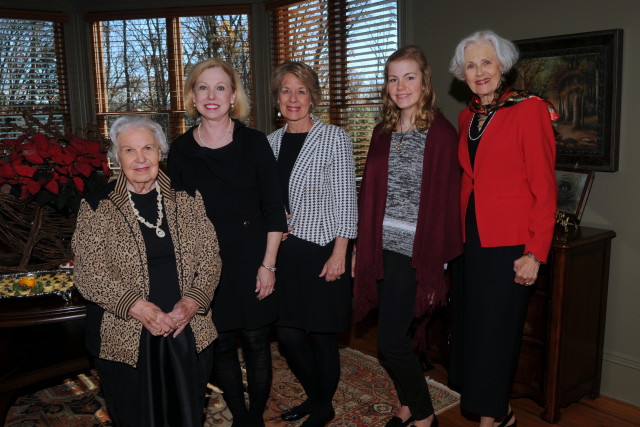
[(508, 203)]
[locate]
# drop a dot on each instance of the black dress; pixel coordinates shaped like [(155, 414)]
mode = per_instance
[(167, 386), (489, 313), (307, 301), (239, 185)]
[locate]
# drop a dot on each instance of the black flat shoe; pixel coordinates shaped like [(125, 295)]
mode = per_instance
[(435, 422), (297, 412), (508, 418), (319, 418), (396, 421)]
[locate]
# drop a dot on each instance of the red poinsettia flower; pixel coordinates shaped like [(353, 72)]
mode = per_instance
[(6, 171), (79, 183), (23, 170), (33, 164), (52, 186), (33, 187), (33, 157)]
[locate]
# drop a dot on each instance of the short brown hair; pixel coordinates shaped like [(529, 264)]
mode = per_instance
[(240, 108), (307, 76)]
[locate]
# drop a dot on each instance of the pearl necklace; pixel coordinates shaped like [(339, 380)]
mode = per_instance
[(223, 138), (159, 232), (484, 126)]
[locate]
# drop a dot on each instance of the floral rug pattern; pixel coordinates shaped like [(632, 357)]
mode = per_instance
[(365, 397)]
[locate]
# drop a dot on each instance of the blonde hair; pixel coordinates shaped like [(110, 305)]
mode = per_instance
[(240, 108), (425, 109)]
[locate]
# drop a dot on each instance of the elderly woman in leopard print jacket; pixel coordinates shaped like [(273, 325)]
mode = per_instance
[(146, 259)]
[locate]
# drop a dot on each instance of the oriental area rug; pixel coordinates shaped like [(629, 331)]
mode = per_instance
[(365, 397)]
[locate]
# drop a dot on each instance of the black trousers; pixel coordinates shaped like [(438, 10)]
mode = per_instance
[(397, 296), (489, 311), (314, 359)]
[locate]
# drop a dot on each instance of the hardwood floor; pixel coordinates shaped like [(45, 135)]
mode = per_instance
[(598, 412)]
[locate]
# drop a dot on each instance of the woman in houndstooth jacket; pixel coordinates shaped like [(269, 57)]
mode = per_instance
[(317, 180)]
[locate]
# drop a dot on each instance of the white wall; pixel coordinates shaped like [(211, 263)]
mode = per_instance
[(614, 203)]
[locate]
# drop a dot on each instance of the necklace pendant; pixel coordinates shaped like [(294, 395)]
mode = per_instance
[(160, 233)]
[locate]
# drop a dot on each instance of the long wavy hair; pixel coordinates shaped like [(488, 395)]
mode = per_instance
[(425, 109)]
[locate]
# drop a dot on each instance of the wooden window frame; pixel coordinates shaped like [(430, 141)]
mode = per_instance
[(174, 56)]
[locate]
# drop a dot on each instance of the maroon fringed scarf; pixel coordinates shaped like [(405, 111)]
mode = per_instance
[(438, 232)]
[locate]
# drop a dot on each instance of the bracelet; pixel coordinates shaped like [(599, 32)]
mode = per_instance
[(270, 268), (533, 257)]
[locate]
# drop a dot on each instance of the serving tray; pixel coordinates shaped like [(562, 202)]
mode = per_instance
[(37, 283)]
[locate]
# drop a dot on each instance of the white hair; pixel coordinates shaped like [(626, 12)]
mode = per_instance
[(506, 51), (134, 121)]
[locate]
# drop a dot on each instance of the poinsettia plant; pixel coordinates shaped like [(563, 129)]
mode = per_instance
[(51, 171)]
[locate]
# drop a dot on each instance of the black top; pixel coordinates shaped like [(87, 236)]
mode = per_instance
[(289, 150), (164, 290), (239, 185), (475, 134)]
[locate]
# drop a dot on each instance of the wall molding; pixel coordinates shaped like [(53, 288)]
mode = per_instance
[(622, 359)]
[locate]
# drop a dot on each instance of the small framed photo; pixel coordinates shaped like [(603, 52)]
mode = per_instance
[(573, 191)]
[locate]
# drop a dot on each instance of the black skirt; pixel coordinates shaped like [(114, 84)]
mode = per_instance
[(305, 300)]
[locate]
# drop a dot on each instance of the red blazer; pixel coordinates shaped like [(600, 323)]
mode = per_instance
[(513, 178)]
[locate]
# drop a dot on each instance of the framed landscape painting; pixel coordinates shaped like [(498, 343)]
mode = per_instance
[(581, 75)]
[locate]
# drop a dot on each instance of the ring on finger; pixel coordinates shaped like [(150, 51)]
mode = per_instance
[(159, 332)]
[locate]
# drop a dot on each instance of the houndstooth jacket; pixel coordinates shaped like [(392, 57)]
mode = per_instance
[(322, 186)]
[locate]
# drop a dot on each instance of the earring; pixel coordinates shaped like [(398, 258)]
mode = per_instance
[(279, 114)]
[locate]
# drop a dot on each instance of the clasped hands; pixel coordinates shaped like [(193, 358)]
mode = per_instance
[(158, 322)]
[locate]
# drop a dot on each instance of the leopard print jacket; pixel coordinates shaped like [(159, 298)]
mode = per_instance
[(111, 267)]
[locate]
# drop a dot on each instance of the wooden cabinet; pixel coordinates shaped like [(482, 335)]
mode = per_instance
[(41, 338), (561, 353)]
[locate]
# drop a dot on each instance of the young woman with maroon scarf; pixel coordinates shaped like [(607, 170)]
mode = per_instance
[(408, 226)]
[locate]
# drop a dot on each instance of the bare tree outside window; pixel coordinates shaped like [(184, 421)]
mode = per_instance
[(32, 79), (133, 62)]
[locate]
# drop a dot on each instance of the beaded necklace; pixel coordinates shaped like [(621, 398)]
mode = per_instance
[(159, 232)]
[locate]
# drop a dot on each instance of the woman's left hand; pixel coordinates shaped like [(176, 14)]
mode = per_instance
[(526, 269), (182, 313), (333, 268), (265, 283)]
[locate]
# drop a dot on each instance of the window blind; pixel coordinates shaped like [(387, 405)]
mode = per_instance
[(347, 43), (33, 78), (142, 59)]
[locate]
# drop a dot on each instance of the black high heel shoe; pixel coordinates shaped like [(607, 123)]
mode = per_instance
[(508, 418), (435, 422)]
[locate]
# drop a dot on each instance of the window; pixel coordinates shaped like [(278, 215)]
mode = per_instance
[(347, 43), (141, 59), (33, 77)]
